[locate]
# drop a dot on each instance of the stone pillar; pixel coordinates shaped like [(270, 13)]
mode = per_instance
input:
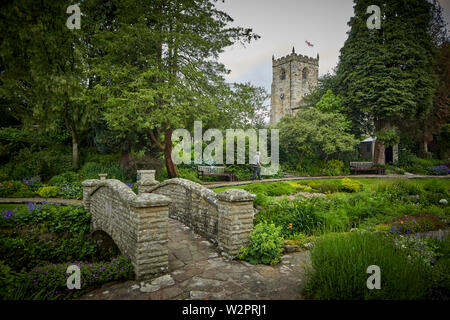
[(146, 180), (152, 253), (235, 210), (395, 154), (102, 176), (88, 186)]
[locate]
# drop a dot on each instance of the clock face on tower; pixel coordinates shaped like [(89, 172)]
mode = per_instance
[(282, 96)]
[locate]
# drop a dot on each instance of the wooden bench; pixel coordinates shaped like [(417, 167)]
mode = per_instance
[(365, 167), (214, 171)]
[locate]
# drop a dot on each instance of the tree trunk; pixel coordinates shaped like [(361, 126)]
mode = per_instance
[(426, 139), (378, 156), (170, 165), (125, 158), (75, 155), (301, 157)]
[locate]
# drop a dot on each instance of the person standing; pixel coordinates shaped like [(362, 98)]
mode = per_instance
[(256, 166)]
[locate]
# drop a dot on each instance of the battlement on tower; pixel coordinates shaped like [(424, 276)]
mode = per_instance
[(297, 57)]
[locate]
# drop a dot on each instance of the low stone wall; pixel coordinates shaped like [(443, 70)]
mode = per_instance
[(138, 224), (225, 218), (192, 204)]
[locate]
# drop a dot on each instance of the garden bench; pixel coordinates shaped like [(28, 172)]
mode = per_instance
[(365, 167), (214, 171)]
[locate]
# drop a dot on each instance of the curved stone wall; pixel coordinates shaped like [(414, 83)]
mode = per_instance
[(192, 204), (225, 218), (138, 224)]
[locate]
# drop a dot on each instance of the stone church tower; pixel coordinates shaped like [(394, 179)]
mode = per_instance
[(294, 76)]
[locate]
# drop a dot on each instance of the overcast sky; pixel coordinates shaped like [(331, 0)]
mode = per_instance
[(283, 24)]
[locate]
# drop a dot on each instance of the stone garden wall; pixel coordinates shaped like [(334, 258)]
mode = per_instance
[(138, 224)]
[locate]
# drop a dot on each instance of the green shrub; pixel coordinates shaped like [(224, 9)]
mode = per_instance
[(48, 192), (293, 217), (360, 207), (47, 162), (46, 233), (327, 187), (71, 190), (93, 156), (189, 174), (351, 185), (340, 262), (37, 244), (9, 282), (66, 177), (265, 245), (333, 168), (418, 165), (69, 185), (242, 172), (8, 188), (414, 224), (440, 277), (271, 189), (49, 281), (91, 170), (261, 200), (17, 189), (436, 190), (309, 167), (404, 190)]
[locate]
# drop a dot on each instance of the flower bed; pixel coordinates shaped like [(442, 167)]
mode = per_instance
[(37, 244)]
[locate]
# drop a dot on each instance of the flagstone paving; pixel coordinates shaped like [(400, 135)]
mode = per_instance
[(197, 271)]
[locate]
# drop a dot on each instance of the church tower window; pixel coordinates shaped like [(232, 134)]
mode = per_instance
[(304, 74)]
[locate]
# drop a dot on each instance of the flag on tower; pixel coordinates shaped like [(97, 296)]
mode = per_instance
[(309, 43)]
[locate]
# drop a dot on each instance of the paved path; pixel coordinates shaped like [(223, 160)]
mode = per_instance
[(196, 271), (36, 199), (217, 184)]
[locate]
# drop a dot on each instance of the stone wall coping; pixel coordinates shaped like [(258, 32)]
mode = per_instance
[(148, 182), (90, 183), (121, 189), (145, 200), (236, 195), (146, 171), (202, 191)]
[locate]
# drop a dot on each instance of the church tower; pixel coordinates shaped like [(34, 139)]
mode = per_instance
[(294, 76)]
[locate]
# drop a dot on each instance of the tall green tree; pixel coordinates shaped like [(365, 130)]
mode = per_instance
[(386, 75), (45, 65), (439, 114), (330, 103), (314, 133), (160, 67)]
